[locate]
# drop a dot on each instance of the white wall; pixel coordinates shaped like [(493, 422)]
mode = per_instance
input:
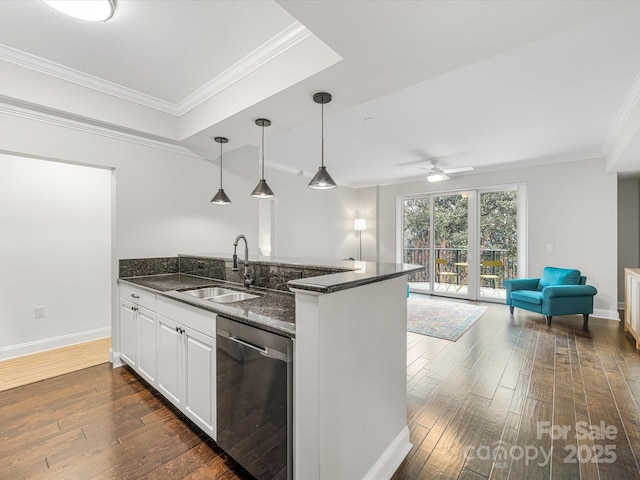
[(315, 224), (571, 205), (161, 199), (55, 251), (628, 229)]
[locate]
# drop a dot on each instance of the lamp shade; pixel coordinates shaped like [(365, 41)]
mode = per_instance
[(359, 224), (221, 198), (89, 10), (262, 190), (322, 180)]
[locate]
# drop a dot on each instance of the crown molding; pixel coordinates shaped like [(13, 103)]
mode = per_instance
[(277, 45), (103, 131), (38, 64), (625, 112)]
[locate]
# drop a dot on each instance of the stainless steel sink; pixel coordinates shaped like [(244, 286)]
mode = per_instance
[(209, 292), (233, 297), (220, 295)]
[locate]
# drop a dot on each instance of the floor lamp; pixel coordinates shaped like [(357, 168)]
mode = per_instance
[(359, 225)]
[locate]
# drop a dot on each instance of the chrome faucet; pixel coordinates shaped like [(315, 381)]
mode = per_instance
[(248, 281)]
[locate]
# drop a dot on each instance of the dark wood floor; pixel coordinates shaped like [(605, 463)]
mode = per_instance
[(102, 423), (490, 389), (510, 381)]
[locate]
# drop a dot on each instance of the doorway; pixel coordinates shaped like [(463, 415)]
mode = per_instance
[(468, 241)]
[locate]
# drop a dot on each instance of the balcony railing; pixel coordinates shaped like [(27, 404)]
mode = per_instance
[(457, 258)]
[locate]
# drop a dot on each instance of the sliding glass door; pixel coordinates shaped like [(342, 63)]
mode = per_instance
[(451, 240), (498, 241), (467, 241)]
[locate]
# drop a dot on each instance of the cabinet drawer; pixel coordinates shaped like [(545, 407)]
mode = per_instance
[(189, 316), (138, 297)]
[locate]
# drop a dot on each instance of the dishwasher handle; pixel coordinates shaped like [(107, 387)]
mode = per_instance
[(264, 351)]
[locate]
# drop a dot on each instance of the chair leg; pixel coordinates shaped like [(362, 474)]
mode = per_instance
[(511, 309), (585, 323), (548, 319)]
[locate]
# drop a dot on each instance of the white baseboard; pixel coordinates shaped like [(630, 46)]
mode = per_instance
[(115, 359), (608, 314), (392, 457), (13, 351)]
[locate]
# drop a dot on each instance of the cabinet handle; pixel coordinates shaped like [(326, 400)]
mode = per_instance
[(135, 296)]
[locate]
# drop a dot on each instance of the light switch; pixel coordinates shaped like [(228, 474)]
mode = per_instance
[(40, 311), (549, 247)]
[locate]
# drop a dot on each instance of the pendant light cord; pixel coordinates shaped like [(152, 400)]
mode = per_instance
[(322, 135), (220, 164), (263, 152)]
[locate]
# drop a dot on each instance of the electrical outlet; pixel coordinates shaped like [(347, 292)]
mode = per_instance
[(549, 247), (40, 311)]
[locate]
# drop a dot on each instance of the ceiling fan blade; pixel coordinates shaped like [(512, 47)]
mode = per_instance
[(425, 168), (457, 170)]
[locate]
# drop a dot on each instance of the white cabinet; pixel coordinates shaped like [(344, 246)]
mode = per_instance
[(146, 332), (200, 379), (187, 361), (138, 331), (128, 333), (170, 360), (172, 346), (632, 303)]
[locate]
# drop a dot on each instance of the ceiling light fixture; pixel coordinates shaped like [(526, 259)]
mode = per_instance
[(89, 10), (262, 190), (436, 175), (322, 180), (221, 198)]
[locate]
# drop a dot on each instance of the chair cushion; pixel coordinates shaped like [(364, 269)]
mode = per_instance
[(558, 276), (528, 296)]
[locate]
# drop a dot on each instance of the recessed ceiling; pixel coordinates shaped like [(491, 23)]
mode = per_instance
[(164, 49), (487, 84)]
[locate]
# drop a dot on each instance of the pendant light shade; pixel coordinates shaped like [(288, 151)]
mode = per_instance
[(322, 180), (262, 190), (221, 198)]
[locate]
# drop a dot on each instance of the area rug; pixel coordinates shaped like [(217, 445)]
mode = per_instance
[(440, 318)]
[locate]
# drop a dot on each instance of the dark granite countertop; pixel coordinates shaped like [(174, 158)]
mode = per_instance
[(367, 272), (273, 310)]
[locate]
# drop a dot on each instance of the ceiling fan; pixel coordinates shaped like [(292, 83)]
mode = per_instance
[(436, 174)]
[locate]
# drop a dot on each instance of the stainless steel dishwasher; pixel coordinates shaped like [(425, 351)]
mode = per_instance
[(254, 398)]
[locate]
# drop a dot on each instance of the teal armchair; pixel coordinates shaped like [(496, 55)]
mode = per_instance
[(559, 291)]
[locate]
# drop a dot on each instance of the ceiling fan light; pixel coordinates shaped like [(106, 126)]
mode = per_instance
[(322, 180), (437, 177), (221, 198), (262, 190), (89, 10)]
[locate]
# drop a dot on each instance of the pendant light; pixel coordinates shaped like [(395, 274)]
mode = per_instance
[(262, 190), (221, 198), (322, 180)]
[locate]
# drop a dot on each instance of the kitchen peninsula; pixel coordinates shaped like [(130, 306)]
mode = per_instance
[(347, 325)]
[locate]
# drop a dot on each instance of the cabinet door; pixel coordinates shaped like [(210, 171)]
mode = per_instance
[(128, 333), (147, 344), (200, 380), (169, 360)]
